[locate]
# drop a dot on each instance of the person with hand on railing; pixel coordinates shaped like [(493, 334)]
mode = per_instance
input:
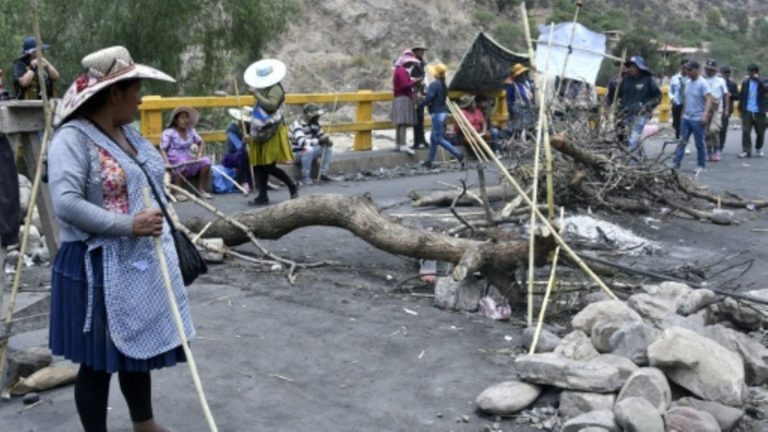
[(310, 143), (269, 142), (183, 149), (403, 112)]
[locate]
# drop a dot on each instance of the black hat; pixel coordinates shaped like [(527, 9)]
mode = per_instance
[(693, 65), (684, 62), (710, 64), (753, 68), (725, 69)]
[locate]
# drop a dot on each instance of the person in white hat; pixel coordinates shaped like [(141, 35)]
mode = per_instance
[(269, 143), (178, 143), (109, 311)]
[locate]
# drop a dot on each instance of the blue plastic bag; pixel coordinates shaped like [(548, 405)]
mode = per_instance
[(220, 184)]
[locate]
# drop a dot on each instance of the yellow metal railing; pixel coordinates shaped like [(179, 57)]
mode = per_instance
[(152, 108)]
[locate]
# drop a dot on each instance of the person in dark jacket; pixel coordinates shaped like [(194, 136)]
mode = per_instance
[(418, 73), (754, 104), (437, 93), (733, 89), (25, 78), (638, 97)]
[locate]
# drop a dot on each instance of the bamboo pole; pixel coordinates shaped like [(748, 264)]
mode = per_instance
[(48, 112), (559, 239), (615, 100), (179, 324), (545, 302)]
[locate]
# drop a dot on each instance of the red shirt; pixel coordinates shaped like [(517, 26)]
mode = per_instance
[(475, 117), (402, 82)]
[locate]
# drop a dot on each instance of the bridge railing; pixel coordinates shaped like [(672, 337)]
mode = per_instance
[(153, 107)]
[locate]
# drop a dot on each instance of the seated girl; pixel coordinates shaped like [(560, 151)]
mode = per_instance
[(177, 148)]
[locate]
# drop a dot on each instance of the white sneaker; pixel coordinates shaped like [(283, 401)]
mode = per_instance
[(406, 150), (744, 155), (687, 151), (698, 171), (759, 153)]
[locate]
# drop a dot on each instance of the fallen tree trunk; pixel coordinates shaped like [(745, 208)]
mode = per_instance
[(445, 198), (359, 215)]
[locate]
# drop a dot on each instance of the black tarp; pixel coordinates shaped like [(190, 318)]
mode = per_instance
[(484, 66)]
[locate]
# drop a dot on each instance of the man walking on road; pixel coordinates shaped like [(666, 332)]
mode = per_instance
[(733, 90), (677, 93), (696, 115), (720, 101), (754, 104), (638, 97)]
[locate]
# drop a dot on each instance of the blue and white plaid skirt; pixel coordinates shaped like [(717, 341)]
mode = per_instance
[(69, 300)]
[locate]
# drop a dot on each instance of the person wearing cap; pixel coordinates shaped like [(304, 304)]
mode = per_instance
[(721, 99), (311, 143), (521, 99), (269, 143), (403, 113), (184, 150), (25, 78), (677, 95), (109, 310), (638, 96), (753, 106), (477, 119), (733, 90), (699, 105), (435, 102), (418, 73)]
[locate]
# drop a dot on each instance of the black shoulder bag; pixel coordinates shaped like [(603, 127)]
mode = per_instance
[(191, 263)]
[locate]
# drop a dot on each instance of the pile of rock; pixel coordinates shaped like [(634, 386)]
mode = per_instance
[(671, 358)]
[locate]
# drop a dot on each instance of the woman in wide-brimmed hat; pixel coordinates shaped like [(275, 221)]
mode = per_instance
[(177, 144), (403, 112), (109, 310), (437, 93), (269, 143), (521, 99)]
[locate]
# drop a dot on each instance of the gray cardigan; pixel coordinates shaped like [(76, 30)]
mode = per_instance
[(74, 181)]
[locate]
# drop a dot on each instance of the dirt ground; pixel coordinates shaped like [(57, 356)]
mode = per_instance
[(338, 351)]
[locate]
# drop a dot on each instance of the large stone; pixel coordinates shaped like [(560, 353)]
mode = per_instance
[(610, 310), (727, 417), (745, 316), (649, 384), (22, 364), (700, 365), (576, 403), (625, 366), (599, 419), (636, 414), (652, 308), (632, 341), (695, 301), (576, 345), (548, 341), (691, 322), (602, 332), (507, 398), (668, 290), (754, 354), (453, 295), (549, 369), (687, 419)]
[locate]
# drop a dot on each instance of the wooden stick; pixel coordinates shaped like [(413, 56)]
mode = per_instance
[(545, 302), (464, 125), (230, 179), (202, 231), (615, 100), (179, 324), (4, 341), (574, 256)]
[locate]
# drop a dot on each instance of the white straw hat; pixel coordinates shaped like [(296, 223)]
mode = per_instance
[(265, 73), (102, 69)]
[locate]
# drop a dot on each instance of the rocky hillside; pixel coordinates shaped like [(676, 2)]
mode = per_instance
[(345, 45)]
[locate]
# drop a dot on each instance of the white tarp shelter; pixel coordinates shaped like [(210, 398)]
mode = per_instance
[(586, 52)]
